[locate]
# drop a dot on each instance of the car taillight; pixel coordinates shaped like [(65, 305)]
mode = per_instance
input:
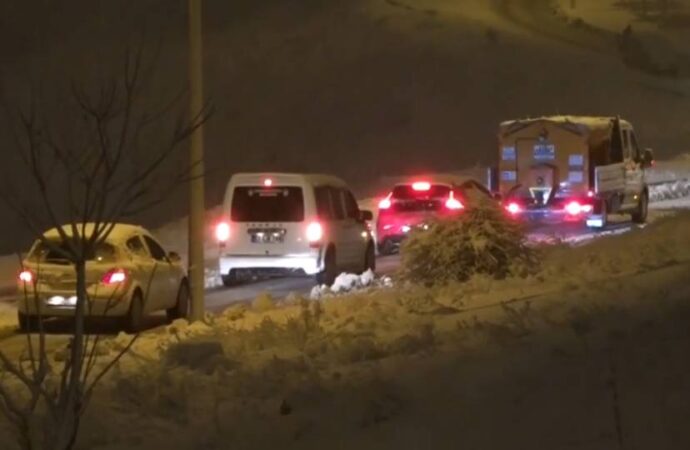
[(573, 208), (453, 203), (26, 276), (222, 232), (513, 208), (314, 232), (114, 276), (386, 202)]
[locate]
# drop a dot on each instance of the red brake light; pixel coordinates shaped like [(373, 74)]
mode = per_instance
[(513, 208), (114, 276), (222, 232), (573, 208), (268, 182), (590, 194), (453, 203), (421, 186), (26, 276), (386, 202), (314, 232)]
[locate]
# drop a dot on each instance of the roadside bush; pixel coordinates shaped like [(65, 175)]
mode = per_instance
[(482, 240)]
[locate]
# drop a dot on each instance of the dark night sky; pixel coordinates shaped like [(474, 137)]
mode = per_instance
[(326, 85)]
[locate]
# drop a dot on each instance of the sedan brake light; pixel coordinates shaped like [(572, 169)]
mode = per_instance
[(26, 276), (453, 203), (114, 276)]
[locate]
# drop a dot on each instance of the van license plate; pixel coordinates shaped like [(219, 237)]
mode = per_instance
[(267, 236)]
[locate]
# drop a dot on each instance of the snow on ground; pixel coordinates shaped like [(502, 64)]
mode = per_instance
[(349, 283), (546, 360)]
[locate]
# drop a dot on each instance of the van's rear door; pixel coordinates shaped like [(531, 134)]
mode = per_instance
[(267, 220)]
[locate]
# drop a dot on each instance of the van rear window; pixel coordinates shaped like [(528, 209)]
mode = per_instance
[(267, 204)]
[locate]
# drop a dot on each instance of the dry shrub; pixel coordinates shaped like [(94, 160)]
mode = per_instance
[(481, 240)]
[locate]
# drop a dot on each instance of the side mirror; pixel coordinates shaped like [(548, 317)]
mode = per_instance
[(648, 158), (366, 216), (174, 257)]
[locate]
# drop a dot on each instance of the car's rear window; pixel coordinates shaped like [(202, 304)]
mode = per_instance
[(407, 199), (267, 204), (43, 252)]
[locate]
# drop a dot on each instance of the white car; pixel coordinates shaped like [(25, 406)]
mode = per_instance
[(292, 223), (128, 276)]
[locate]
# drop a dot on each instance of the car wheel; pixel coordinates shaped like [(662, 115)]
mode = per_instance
[(230, 279), (386, 248), (27, 322), (370, 259), (640, 214), (181, 308), (329, 272), (133, 321)]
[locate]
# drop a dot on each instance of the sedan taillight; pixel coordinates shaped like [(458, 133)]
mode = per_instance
[(114, 276), (26, 276)]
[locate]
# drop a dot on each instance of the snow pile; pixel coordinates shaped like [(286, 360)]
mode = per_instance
[(669, 190), (348, 283), (481, 241)]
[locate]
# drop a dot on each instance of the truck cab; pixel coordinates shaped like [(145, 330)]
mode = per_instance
[(568, 168)]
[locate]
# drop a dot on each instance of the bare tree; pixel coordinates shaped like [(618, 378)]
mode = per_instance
[(100, 161)]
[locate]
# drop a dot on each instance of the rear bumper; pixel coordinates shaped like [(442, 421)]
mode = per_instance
[(40, 304), (310, 263), (549, 215)]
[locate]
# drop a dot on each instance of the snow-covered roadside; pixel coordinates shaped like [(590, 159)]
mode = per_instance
[(399, 367)]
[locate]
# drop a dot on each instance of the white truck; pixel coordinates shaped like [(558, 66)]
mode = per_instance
[(572, 168)]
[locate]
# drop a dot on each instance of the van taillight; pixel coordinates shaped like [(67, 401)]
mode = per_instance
[(314, 232), (222, 232)]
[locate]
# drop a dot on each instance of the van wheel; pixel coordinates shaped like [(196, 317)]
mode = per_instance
[(329, 272), (133, 321), (230, 279), (640, 214), (181, 308), (370, 259)]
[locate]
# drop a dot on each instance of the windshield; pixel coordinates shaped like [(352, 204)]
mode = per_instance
[(407, 199), (262, 204), (43, 252)]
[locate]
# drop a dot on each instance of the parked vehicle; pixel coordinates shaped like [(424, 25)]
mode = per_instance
[(573, 169), (413, 203), (128, 276), (292, 223)]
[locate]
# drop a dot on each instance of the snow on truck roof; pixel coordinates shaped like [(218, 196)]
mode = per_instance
[(315, 179), (120, 232), (590, 122)]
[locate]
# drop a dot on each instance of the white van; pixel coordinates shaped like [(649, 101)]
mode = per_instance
[(292, 223)]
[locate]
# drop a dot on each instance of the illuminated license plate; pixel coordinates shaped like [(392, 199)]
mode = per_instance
[(267, 236), (59, 300)]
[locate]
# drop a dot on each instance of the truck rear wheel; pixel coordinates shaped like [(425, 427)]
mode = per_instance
[(640, 214)]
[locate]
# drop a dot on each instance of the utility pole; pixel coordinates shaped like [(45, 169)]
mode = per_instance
[(196, 158)]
